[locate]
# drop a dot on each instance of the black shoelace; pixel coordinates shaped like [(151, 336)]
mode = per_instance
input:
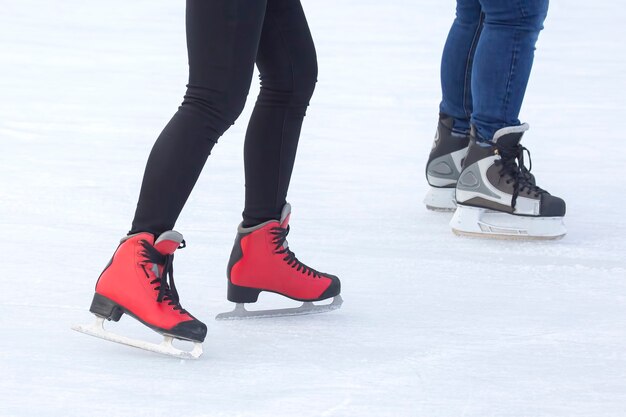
[(166, 286), (512, 162), (280, 238)]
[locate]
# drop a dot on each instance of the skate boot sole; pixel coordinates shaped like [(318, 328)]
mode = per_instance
[(240, 295), (485, 223), (440, 199)]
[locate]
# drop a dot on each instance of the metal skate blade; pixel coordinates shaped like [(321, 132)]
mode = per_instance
[(501, 236), (166, 347), (440, 199), (441, 209), (485, 223), (240, 312)]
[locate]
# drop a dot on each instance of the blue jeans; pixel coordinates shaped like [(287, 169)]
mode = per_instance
[(487, 61)]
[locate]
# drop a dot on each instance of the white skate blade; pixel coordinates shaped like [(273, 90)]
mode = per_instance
[(97, 329), (440, 199), (478, 222), (240, 312)]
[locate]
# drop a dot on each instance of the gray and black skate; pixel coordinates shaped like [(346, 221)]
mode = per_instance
[(444, 165), (497, 196)]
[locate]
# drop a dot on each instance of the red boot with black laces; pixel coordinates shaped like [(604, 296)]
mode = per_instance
[(139, 281), (262, 261)]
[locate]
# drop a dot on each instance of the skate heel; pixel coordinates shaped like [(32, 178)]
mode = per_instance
[(105, 308), (238, 294)]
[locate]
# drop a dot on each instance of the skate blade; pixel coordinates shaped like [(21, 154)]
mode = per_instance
[(240, 312), (483, 223), (440, 199), (440, 209), (166, 347)]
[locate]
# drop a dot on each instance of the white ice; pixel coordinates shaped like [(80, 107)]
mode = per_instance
[(433, 325)]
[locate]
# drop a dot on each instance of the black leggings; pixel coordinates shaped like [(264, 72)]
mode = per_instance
[(225, 38)]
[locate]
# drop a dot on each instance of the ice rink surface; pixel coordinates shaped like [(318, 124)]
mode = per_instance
[(433, 325)]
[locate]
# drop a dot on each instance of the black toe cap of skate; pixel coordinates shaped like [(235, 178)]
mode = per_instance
[(552, 206), (333, 289), (193, 330)]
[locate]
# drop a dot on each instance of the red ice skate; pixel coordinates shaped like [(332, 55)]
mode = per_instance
[(261, 261), (136, 283)]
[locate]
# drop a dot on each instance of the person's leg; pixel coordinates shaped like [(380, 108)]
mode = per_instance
[(457, 61), (497, 195), (222, 42), (452, 137), (287, 64), (503, 61), (222, 38), (261, 259)]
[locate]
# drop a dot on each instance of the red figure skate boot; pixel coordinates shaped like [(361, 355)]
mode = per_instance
[(261, 261), (136, 283)]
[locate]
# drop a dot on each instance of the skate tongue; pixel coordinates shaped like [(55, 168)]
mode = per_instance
[(168, 242), (285, 215), (510, 136)]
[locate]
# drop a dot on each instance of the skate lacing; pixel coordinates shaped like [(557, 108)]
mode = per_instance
[(512, 161), (290, 257), (166, 287)]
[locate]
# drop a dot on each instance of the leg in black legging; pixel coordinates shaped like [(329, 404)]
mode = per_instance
[(288, 66), (222, 41)]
